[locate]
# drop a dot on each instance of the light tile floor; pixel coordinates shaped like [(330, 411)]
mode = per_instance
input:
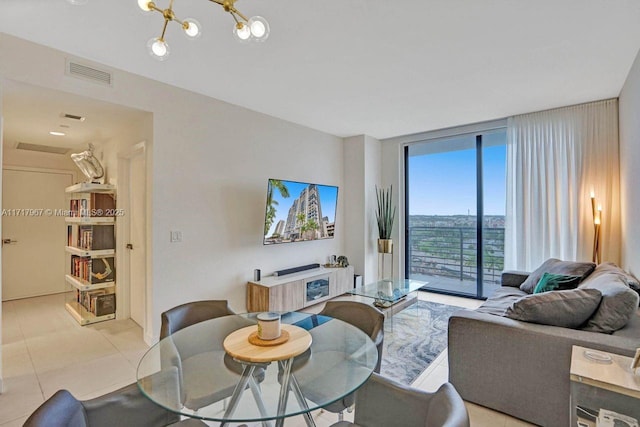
[(44, 350)]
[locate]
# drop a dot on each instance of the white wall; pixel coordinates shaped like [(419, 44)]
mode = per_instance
[(362, 174), (210, 163), (354, 167), (629, 110), (372, 178), (107, 151), (1, 145), (34, 159), (392, 164)]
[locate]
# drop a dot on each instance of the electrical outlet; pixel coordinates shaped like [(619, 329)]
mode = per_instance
[(176, 236)]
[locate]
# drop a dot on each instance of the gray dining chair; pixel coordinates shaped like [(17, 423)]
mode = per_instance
[(368, 319), (382, 402), (125, 407), (190, 313), (365, 317), (193, 358)]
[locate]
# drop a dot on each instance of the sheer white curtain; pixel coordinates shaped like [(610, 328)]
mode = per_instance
[(555, 159)]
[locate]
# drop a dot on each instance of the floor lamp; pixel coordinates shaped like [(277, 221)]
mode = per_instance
[(597, 220)]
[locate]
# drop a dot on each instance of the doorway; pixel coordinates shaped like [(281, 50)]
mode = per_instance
[(41, 139), (33, 231), (133, 233), (455, 212)]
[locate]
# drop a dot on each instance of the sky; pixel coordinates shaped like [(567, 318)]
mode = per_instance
[(328, 200), (445, 183)]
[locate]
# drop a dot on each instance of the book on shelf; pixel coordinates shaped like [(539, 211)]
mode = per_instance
[(96, 237), (104, 304), (93, 270), (94, 205), (98, 302), (88, 296)]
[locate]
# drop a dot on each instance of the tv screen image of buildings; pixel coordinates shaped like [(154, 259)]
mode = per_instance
[(298, 211)]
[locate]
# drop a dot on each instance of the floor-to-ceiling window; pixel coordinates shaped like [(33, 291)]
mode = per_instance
[(455, 208)]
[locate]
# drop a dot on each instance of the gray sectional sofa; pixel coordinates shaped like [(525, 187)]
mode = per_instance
[(520, 367)]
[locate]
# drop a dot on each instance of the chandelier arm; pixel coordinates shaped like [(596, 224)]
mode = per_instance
[(156, 8), (233, 11), (164, 29), (217, 1), (235, 18)]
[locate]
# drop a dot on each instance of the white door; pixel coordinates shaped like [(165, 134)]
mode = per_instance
[(137, 237), (33, 256)]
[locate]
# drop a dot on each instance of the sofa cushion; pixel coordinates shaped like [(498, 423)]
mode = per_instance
[(619, 302), (567, 309), (555, 266), (629, 279), (556, 282), (631, 329), (500, 300)]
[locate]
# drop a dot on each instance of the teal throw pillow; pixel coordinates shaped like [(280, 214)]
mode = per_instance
[(556, 282)]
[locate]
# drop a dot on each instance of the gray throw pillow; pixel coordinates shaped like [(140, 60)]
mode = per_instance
[(619, 301), (628, 278), (555, 266), (567, 309)]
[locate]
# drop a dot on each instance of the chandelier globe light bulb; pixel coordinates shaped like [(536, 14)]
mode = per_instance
[(192, 28), (242, 32), (78, 2), (158, 48), (259, 28), (245, 30), (144, 5)]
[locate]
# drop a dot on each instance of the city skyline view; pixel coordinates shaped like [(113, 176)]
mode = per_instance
[(299, 211), (443, 238)]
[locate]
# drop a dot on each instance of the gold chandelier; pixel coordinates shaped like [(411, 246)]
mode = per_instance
[(255, 29)]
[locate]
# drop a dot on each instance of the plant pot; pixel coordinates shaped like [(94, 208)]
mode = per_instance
[(385, 246)]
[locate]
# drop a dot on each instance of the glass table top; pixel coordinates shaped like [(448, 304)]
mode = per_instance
[(190, 373), (389, 291)]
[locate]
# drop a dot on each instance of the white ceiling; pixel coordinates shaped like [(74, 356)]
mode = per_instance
[(348, 67), (30, 112)]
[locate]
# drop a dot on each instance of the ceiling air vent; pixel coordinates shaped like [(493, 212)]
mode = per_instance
[(42, 148), (86, 72), (72, 117)]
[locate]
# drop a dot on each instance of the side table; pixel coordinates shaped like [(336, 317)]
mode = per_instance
[(603, 389), (237, 345)]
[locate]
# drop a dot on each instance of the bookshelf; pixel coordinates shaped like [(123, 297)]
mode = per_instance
[(91, 272)]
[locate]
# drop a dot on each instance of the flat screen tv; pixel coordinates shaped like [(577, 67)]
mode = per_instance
[(299, 211)]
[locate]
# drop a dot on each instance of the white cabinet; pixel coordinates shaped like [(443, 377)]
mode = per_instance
[(604, 389), (295, 291), (91, 270)]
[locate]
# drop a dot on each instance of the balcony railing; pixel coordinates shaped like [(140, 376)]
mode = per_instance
[(452, 252)]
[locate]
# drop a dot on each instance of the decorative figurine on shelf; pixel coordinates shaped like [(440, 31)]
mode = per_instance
[(89, 165), (342, 261)]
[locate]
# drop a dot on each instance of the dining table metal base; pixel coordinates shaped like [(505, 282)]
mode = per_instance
[(289, 383)]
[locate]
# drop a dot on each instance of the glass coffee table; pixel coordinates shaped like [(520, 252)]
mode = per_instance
[(390, 294)]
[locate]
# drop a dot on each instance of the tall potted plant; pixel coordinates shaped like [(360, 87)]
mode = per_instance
[(385, 214)]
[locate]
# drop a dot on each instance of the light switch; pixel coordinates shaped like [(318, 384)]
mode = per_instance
[(176, 236)]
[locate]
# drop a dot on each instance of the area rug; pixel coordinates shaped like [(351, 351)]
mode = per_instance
[(413, 338)]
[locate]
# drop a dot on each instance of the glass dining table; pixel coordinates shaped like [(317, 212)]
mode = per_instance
[(190, 372)]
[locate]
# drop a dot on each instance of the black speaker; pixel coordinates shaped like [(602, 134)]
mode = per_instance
[(296, 269)]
